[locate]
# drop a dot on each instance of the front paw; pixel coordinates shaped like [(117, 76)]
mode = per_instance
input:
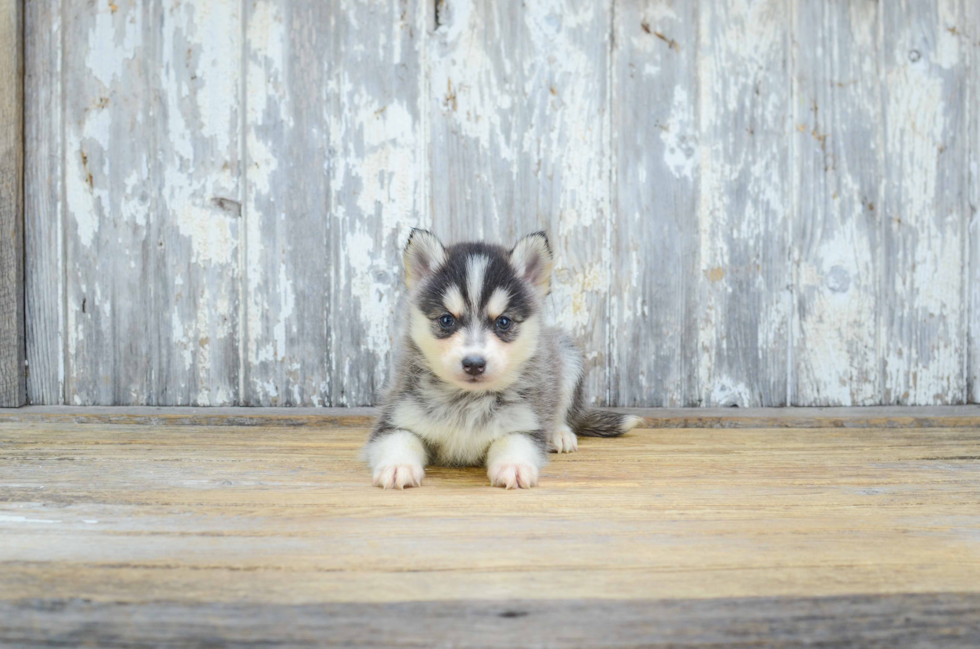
[(512, 475), (564, 440), (399, 476)]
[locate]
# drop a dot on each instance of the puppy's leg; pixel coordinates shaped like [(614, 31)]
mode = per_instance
[(397, 460), (514, 461), (563, 440)]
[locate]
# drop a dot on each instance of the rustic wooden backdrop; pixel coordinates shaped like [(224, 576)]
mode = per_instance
[(762, 202)]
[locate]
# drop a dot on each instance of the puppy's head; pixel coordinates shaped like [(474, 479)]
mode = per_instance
[(475, 307)]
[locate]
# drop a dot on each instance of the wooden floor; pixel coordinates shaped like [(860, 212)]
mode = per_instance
[(133, 534)]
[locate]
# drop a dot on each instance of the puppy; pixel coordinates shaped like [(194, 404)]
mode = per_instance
[(479, 379)]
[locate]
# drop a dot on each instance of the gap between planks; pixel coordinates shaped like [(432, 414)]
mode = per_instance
[(855, 417)]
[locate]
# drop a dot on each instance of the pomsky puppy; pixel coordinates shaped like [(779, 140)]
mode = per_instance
[(478, 378)]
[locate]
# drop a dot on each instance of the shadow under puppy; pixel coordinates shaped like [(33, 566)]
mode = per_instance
[(478, 378)]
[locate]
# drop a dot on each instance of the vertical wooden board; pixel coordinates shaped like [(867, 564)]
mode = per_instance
[(43, 217), (838, 169), (194, 237), (922, 314), (150, 169), (377, 183), (13, 389), (655, 269), (269, 296), (107, 161), (973, 224), (972, 276), (744, 208), (519, 128), (335, 181)]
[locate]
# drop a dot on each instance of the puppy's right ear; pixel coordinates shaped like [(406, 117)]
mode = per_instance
[(424, 254)]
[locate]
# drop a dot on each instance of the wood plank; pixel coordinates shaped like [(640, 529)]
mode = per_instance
[(746, 276), (335, 181), (945, 619), (378, 184), (151, 193), (519, 126), (839, 168), (865, 417), (655, 271), (287, 516), (195, 236), (922, 319), (44, 238), (972, 277), (108, 138), (13, 389)]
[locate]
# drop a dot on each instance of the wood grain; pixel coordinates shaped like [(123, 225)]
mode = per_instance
[(44, 236), (195, 192), (947, 620), (519, 127), (745, 203), (655, 271), (108, 137), (839, 161), (973, 222), (922, 319), (13, 389), (335, 182), (243, 524), (378, 184), (151, 180), (752, 202)]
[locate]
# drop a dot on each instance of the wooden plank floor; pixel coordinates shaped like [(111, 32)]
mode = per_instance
[(150, 535)]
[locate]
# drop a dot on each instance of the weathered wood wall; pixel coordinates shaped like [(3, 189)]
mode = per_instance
[(13, 379), (753, 202)]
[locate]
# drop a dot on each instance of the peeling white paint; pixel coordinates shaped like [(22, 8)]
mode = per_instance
[(512, 113), (113, 41), (680, 148), (922, 359)]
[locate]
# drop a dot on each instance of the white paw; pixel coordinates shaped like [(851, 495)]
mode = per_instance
[(511, 475), (564, 440), (399, 476)]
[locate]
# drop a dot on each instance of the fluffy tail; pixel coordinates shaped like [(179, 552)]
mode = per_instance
[(602, 423)]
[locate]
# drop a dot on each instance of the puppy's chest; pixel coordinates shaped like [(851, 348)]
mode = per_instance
[(461, 431)]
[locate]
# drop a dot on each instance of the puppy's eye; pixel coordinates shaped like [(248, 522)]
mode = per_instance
[(504, 323), (446, 321)]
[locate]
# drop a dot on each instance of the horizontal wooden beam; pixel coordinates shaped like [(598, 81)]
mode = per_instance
[(946, 619), (865, 417), (13, 378)]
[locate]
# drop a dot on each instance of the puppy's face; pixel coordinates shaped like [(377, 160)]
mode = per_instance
[(475, 307)]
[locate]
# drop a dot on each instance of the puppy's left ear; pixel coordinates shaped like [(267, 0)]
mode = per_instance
[(532, 260)]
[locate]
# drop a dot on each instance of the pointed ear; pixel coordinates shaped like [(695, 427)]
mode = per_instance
[(424, 254), (532, 260)]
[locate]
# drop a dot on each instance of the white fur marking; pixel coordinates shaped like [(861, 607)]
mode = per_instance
[(631, 422), (453, 301), (498, 303), (462, 434), (397, 460), (564, 440), (476, 268), (514, 461)]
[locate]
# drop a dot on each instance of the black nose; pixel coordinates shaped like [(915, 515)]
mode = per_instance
[(474, 365)]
